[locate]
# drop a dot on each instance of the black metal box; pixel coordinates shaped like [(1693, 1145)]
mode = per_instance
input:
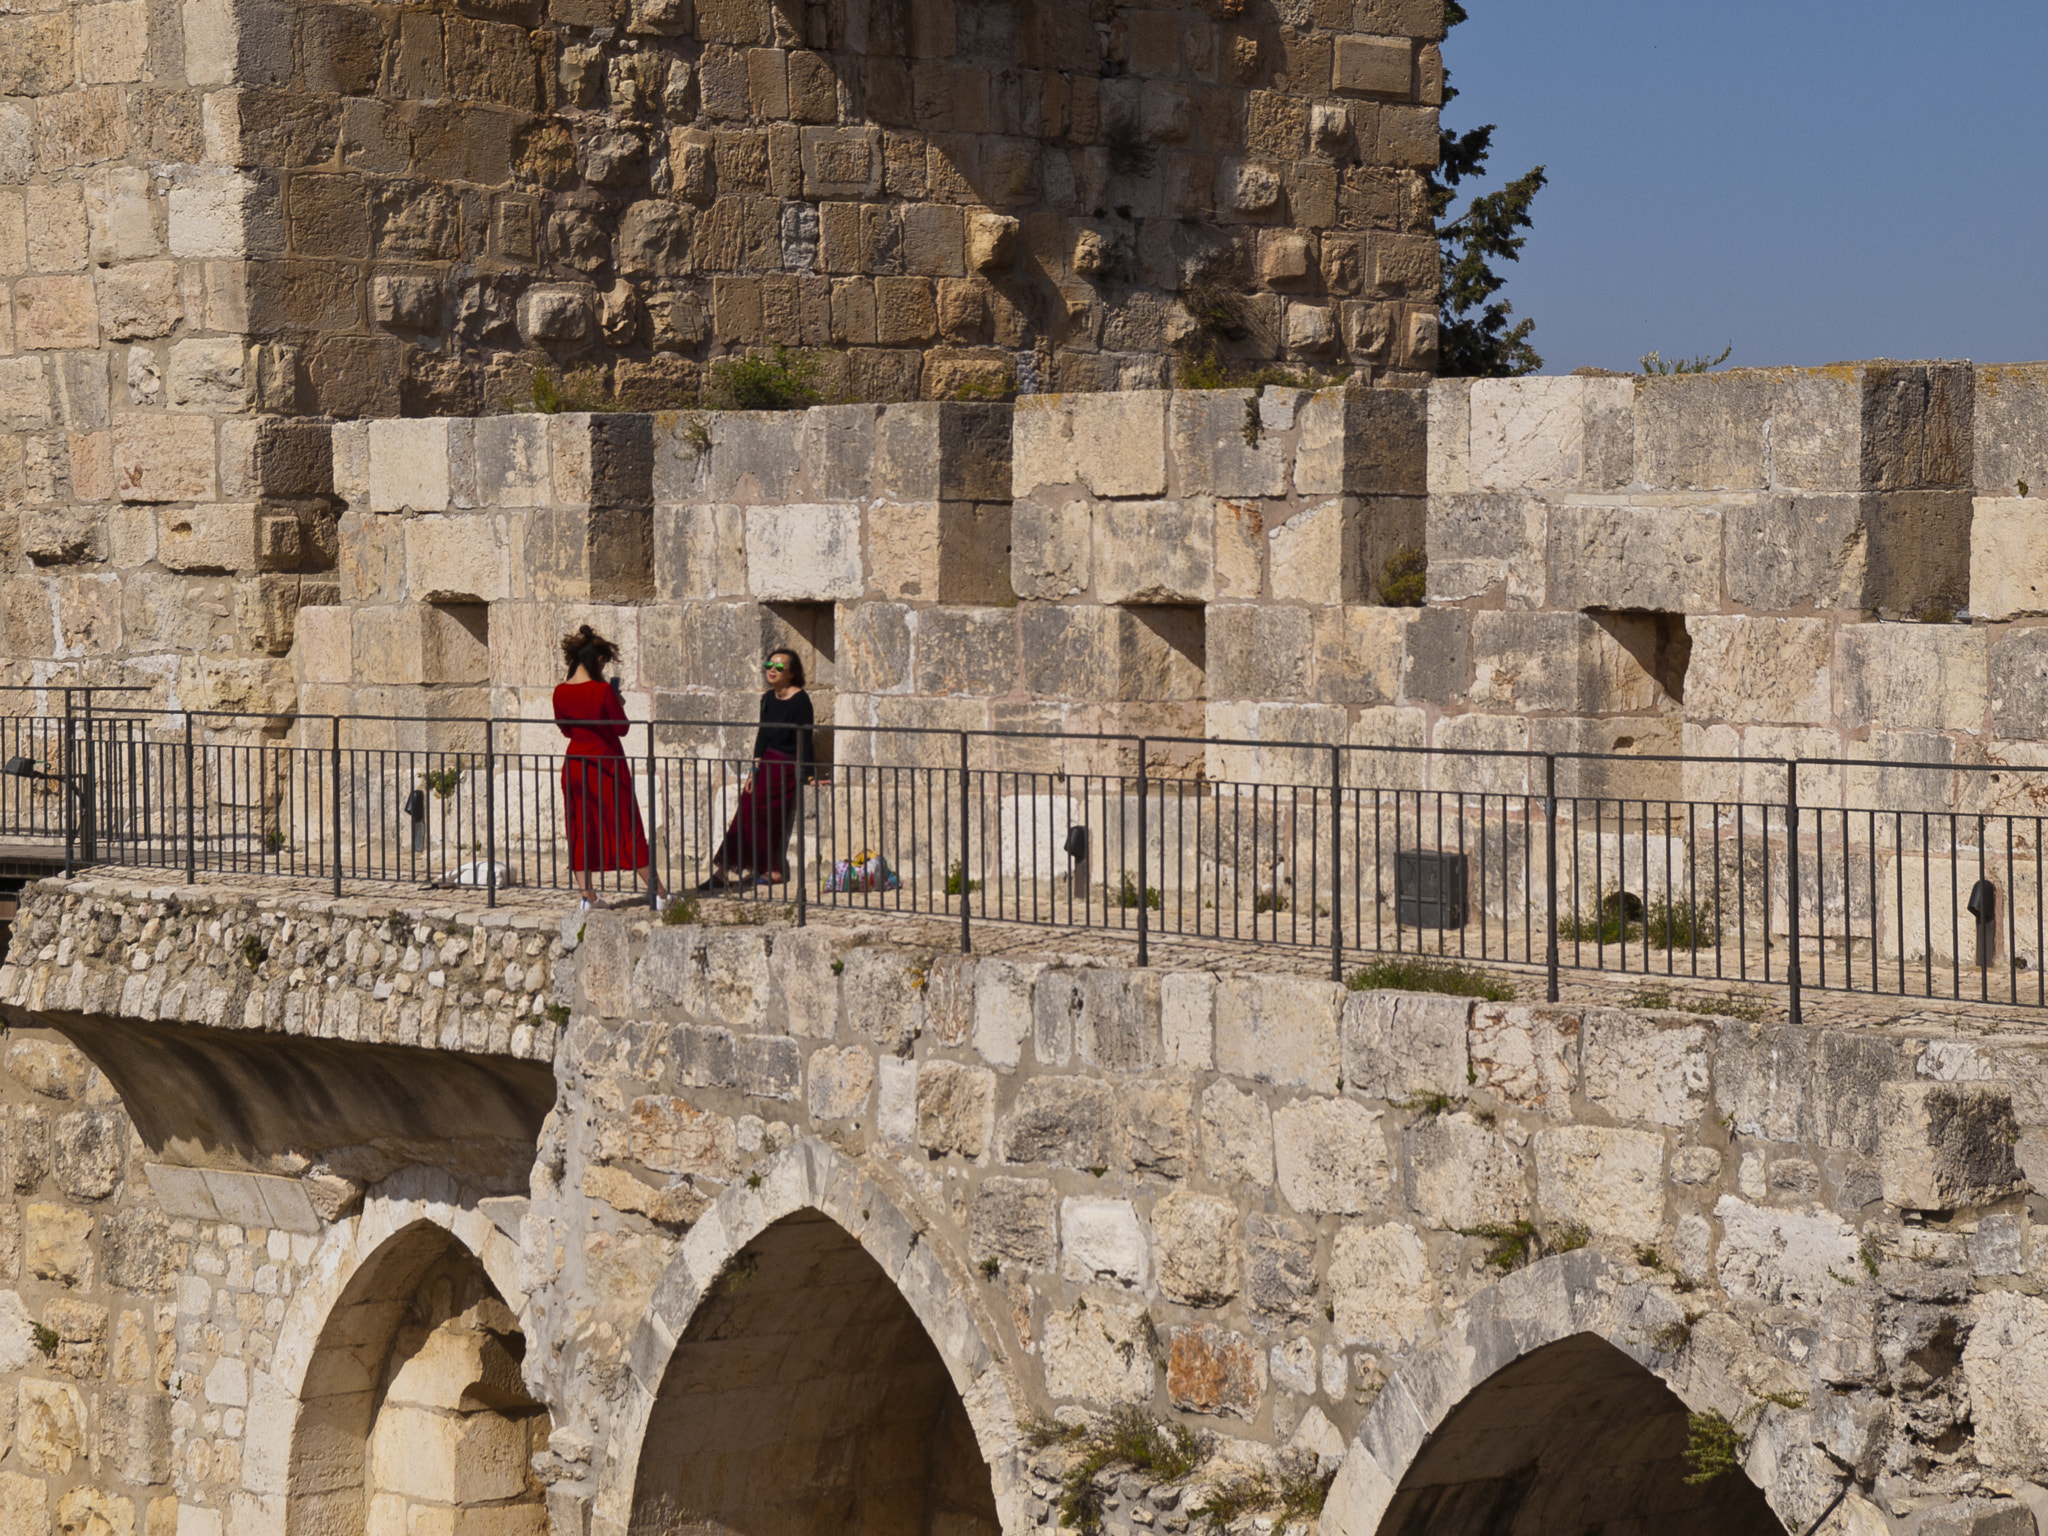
[(1429, 889)]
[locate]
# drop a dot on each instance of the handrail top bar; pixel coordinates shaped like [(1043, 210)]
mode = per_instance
[(77, 688), (1525, 755)]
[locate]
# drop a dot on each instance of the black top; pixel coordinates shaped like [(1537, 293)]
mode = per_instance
[(786, 728)]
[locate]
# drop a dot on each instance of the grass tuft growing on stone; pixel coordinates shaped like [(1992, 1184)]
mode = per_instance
[(1415, 973), (1126, 1436), (1511, 1244), (1570, 1237), (679, 912), (1713, 1446), (1404, 579), (1745, 1006), (784, 382), (1127, 894)]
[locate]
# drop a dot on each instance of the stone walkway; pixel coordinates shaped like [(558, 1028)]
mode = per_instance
[(1022, 940)]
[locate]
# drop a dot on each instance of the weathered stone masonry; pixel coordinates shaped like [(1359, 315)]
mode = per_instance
[(977, 1190)]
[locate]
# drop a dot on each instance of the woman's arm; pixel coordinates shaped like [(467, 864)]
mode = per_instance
[(806, 715)]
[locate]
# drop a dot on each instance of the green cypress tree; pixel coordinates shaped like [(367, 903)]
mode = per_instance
[(1476, 339)]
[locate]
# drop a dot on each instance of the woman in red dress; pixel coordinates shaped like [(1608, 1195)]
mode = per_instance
[(597, 787)]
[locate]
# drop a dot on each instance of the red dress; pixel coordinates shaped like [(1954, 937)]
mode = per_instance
[(597, 786)]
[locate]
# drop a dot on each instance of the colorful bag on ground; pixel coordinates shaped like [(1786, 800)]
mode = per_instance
[(865, 871)]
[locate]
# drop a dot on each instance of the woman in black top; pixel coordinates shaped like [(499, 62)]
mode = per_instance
[(758, 833)]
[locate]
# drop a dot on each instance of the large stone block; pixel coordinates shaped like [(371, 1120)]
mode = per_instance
[(1102, 1240), (164, 458), (2005, 1364), (1783, 1258), (1531, 662), (803, 553), (1237, 1135), (207, 538), (969, 651), (1379, 1277), (1358, 653), (1260, 651), (1099, 1353), (1330, 1156), (939, 551), (1211, 1370), (1221, 447), (2009, 433), (1662, 557), (1278, 1029), (1064, 1121), (1457, 1173), (1051, 546), (1113, 444), (1645, 1067), (1705, 432), (410, 465), (931, 450), (1932, 677), (1873, 426), (1610, 1181), (700, 551), (1195, 1239), (955, 1109), (1371, 442), (1014, 1221), (1944, 1146), (2009, 557), (1556, 434), (1486, 545), (1400, 1044), (458, 559), (1154, 551), (1763, 670)]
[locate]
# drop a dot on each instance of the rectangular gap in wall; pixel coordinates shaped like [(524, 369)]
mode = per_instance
[(1162, 652), (809, 629), (1659, 642)]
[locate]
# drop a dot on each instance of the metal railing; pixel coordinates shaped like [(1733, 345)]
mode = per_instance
[(1901, 879)]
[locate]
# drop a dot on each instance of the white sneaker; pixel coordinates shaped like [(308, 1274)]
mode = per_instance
[(585, 905)]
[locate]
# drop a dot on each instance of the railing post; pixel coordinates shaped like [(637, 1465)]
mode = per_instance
[(966, 863), (1144, 862), (65, 789), (797, 868), (334, 770), (88, 819), (191, 808), (1336, 864), (1792, 881), (1550, 869), (491, 816), (653, 872)]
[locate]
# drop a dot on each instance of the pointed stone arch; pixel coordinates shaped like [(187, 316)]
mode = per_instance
[(356, 1341), (1571, 1320), (813, 1202)]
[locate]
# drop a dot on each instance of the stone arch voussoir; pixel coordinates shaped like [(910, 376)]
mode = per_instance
[(812, 1176), (1547, 1303)]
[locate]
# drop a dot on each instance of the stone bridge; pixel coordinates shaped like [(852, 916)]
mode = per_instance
[(326, 1217)]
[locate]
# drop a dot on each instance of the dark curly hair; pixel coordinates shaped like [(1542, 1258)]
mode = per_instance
[(586, 648)]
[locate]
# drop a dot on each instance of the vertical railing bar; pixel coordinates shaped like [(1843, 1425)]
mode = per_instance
[(1550, 873), (1792, 883)]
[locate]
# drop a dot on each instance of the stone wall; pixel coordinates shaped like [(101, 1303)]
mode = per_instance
[(219, 217), (1288, 1215), (88, 1260)]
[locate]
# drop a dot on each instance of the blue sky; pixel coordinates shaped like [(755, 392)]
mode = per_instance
[(1812, 180)]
